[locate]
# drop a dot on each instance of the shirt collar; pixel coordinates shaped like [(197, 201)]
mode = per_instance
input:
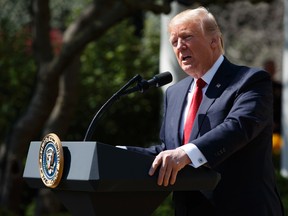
[(207, 77)]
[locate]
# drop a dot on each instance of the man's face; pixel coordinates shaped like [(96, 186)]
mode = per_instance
[(192, 48)]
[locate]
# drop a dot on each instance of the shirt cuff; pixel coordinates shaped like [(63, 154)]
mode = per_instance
[(195, 155), (122, 147)]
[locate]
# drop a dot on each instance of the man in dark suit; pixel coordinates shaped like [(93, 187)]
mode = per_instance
[(232, 130)]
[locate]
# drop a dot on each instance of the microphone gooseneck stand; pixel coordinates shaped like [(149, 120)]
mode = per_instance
[(142, 85), (115, 97)]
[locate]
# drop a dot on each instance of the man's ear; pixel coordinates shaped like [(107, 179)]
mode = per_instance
[(214, 42)]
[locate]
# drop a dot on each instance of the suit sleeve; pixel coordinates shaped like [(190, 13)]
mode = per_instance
[(248, 104)]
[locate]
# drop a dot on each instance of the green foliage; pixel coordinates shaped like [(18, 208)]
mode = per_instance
[(166, 208), (281, 182), (17, 74), (107, 64), (283, 187)]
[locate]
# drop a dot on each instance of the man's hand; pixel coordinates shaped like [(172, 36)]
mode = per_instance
[(169, 163)]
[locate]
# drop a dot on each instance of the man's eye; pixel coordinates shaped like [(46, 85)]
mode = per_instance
[(188, 37), (174, 43)]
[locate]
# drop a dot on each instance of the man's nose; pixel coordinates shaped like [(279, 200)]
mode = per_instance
[(181, 44)]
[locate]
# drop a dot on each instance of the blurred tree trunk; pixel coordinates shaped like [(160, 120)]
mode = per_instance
[(55, 93), (59, 118)]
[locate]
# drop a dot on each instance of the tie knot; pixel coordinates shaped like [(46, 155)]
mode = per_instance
[(200, 83)]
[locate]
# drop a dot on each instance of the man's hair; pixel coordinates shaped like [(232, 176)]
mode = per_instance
[(206, 20)]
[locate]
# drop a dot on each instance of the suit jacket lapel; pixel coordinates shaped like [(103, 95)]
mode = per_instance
[(218, 84)]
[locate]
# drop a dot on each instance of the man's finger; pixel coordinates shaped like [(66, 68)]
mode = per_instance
[(154, 166), (162, 172), (173, 176), (167, 175)]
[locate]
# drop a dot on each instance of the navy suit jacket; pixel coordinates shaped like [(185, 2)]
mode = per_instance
[(233, 130)]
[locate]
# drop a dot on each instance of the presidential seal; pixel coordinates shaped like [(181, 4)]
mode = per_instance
[(51, 160)]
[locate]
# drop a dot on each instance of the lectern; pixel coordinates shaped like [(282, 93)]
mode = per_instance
[(100, 179)]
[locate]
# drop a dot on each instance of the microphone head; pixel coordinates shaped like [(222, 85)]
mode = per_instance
[(162, 79)]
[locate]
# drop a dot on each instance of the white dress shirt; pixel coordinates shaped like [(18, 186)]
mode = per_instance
[(190, 149)]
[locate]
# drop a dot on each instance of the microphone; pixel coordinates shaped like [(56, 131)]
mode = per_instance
[(158, 80), (142, 85)]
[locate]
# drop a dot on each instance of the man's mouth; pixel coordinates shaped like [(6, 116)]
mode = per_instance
[(184, 58)]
